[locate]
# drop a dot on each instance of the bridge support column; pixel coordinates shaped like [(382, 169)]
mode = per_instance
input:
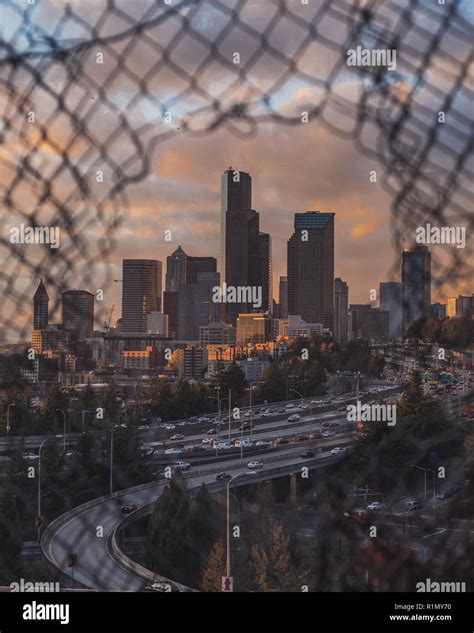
[(293, 499)]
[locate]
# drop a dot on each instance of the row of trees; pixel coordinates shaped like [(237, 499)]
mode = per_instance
[(451, 332)]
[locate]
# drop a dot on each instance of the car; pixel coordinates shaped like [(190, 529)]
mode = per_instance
[(307, 454), (170, 427), (267, 414), (30, 456), (128, 508), (342, 408), (177, 436), (338, 450), (290, 405), (173, 451), (182, 466), (375, 505), (183, 423), (250, 472), (211, 432), (413, 505), (221, 476), (281, 440), (223, 446), (262, 443), (294, 418), (253, 465), (207, 440), (304, 406), (328, 434)]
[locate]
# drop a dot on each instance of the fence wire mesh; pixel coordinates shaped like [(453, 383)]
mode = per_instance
[(86, 86)]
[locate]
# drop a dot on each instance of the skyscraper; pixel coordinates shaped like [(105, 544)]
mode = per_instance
[(341, 307), (195, 306), (416, 279), (391, 300), (77, 313), (283, 297), (265, 274), (236, 195), (311, 268), (141, 292), (175, 269), (40, 307), (197, 265)]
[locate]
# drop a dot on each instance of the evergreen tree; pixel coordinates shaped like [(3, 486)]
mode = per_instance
[(214, 569), (162, 400), (10, 539), (232, 377)]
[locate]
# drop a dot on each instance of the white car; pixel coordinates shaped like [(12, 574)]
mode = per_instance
[(207, 440), (182, 465), (170, 427), (262, 443), (304, 406), (294, 418), (290, 406), (328, 434), (253, 465), (376, 505), (173, 451), (338, 450), (30, 456)]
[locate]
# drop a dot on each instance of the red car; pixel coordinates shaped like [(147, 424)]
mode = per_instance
[(128, 508)]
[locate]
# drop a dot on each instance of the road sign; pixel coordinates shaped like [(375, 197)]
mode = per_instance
[(227, 583)]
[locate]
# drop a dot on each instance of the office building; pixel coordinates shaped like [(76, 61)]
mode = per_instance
[(461, 307), (170, 308), (341, 307), (438, 310), (294, 326), (198, 265), (141, 292), (253, 328), (196, 307), (157, 323), (391, 301), (77, 313), (40, 307), (192, 363), (311, 268), (217, 334), (374, 325), (283, 297), (416, 279), (355, 311), (175, 269)]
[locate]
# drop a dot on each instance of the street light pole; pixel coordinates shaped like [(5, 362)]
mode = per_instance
[(227, 566), (8, 417), (39, 487), (429, 470), (64, 429)]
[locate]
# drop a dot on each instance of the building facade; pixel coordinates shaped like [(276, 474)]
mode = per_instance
[(416, 280), (341, 307), (141, 292), (391, 301)]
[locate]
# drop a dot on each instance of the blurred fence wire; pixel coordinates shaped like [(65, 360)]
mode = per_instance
[(89, 89)]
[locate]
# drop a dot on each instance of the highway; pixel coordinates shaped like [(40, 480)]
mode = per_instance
[(97, 567)]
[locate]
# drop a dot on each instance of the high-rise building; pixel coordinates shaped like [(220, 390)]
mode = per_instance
[(196, 307), (141, 292), (416, 279), (40, 307), (77, 313), (175, 269), (341, 307), (283, 297), (391, 300), (355, 311), (198, 265), (265, 273), (157, 323), (374, 325), (236, 195), (253, 328), (461, 307), (192, 363), (170, 308), (311, 268)]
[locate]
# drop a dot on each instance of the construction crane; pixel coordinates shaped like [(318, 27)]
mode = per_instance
[(107, 325)]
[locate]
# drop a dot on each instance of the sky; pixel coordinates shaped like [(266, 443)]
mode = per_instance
[(171, 170)]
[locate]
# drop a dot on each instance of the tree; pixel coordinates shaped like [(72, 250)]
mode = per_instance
[(232, 377), (214, 569), (273, 385), (162, 400), (10, 539), (376, 365)]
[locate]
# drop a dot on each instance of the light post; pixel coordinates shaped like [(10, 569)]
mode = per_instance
[(64, 430), (228, 522), (8, 418), (39, 488), (428, 470), (299, 394)]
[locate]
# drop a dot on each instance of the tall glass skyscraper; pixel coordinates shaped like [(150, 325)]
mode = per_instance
[(416, 280), (77, 308), (141, 292), (311, 268)]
